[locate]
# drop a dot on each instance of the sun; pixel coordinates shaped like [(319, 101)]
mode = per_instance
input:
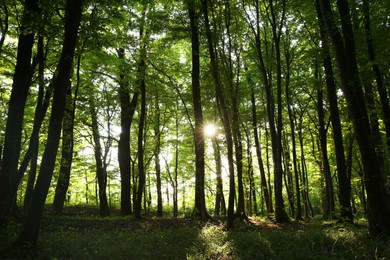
[(210, 130)]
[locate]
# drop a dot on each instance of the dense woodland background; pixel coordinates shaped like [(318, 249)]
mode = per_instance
[(106, 103)]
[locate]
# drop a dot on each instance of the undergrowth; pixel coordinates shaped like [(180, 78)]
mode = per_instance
[(128, 238)]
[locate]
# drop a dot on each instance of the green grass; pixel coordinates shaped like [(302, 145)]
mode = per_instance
[(127, 238)]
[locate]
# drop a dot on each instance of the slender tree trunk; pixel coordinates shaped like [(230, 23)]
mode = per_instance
[(344, 191), (101, 170), (252, 186), (240, 210), (127, 113), (264, 185), (175, 197), (200, 210), (288, 174), (67, 146), (4, 25), (141, 126), (42, 105), (329, 200), (20, 87), (61, 82), (271, 117), (280, 213), (233, 86), (220, 205), (303, 178), (226, 121), (32, 151), (297, 183), (141, 162), (368, 138), (157, 133)]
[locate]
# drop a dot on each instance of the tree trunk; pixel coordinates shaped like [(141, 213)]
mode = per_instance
[(291, 115), (101, 170), (40, 109), (141, 126), (157, 134), (344, 192), (220, 205), (276, 134), (20, 87), (141, 162), (32, 150), (329, 199), (200, 210), (240, 210), (368, 139), (4, 27), (278, 170), (61, 82), (384, 100), (221, 102), (252, 186), (127, 113), (288, 174), (263, 178), (67, 146), (176, 184)]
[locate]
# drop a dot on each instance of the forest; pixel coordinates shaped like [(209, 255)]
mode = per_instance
[(228, 117)]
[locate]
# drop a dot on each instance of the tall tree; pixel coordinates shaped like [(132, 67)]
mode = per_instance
[(325, 167), (223, 107), (220, 204), (127, 113), (368, 137), (277, 28), (31, 154), (67, 145), (264, 185), (61, 82), (344, 191), (101, 169), (142, 86), (20, 87), (157, 153), (200, 200), (383, 95)]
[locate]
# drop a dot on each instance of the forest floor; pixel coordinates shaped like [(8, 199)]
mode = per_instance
[(80, 234)]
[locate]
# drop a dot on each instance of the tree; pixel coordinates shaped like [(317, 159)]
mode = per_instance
[(384, 100), (127, 112), (368, 137), (344, 182), (200, 210), (101, 168), (325, 167), (276, 136), (61, 83), (4, 24), (157, 153), (21, 84), (223, 108), (264, 185), (142, 86), (67, 145)]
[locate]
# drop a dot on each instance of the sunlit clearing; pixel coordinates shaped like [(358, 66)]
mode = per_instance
[(210, 130)]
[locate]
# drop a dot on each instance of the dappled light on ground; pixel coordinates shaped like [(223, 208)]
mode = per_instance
[(86, 236)]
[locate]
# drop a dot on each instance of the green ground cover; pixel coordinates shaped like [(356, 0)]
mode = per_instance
[(90, 237)]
